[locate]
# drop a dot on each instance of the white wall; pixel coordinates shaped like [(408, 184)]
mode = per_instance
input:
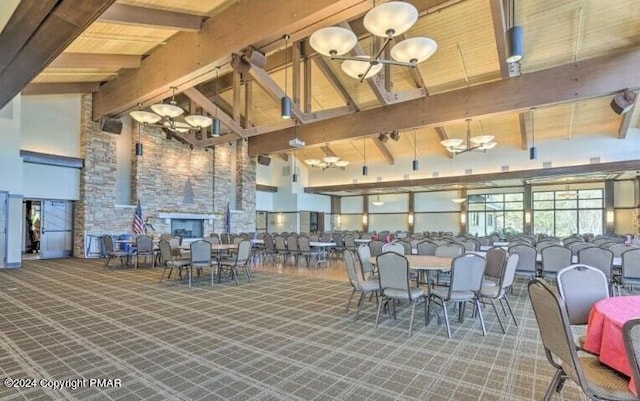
[(264, 200), (51, 182), (351, 204)]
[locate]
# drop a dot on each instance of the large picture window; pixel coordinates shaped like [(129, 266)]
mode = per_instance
[(562, 213), (495, 213)]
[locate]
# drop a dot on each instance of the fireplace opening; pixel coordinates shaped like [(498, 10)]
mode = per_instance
[(187, 228)]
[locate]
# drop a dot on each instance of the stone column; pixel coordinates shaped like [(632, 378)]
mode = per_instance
[(245, 188)]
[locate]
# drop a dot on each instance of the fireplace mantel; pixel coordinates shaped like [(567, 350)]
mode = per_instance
[(192, 216)]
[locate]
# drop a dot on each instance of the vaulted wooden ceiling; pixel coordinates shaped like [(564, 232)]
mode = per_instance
[(577, 54)]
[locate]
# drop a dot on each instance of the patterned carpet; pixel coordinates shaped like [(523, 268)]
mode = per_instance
[(280, 337)]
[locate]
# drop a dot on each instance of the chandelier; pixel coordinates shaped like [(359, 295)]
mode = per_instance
[(164, 115), (480, 143), (387, 21), (328, 162)]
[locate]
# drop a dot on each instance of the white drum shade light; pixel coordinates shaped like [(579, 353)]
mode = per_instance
[(480, 143), (387, 21)]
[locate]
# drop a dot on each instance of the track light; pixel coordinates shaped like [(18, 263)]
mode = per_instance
[(383, 138), (138, 149), (515, 38), (395, 135)]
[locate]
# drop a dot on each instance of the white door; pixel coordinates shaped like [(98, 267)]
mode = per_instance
[(56, 232), (3, 228)]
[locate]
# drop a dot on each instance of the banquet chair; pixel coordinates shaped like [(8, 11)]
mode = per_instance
[(554, 259), (597, 381), (144, 247), (110, 252), (394, 247), (200, 258), (358, 282), (630, 268), (496, 259), (526, 261), (426, 247), (631, 335), (499, 292), (467, 272), (239, 261), (170, 261), (375, 246), (364, 255), (601, 259), (395, 286)]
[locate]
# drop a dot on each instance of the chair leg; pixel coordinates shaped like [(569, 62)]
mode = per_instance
[(378, 312), (510, 310), (484, 330), (493, 303), (446, 318), (413, 312), (349, 301), (360, 301), (427, 316), (106, 264), (553, 386)]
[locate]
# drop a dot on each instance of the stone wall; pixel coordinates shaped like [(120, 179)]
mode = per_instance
[(169, 177)]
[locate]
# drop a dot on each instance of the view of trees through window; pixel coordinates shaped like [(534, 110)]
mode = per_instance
[(495, 213), (562, 213)]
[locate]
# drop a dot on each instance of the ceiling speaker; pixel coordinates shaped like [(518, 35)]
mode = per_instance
[(264, 160), (111, 125), (623, 101)]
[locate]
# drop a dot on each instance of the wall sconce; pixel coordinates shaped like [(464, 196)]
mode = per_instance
[(527, 217), (410, 219), (610, 216), (339, 220), (364, 219), (463, 218), (279, 218)]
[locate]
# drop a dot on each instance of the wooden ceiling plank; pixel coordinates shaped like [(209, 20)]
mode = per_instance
[(328, 151), (324, 68), (95, 60), (627, 118), (442, 133), (500, 31), (262, 23), (211, 108), (54, 34), (600, 76), (382, 148), (60, 88), (487, 177), (525, 129), (150, 17), (24, 21), (283, 156)]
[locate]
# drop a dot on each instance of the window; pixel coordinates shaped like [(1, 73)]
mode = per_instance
[(496, 213), (562, 213)]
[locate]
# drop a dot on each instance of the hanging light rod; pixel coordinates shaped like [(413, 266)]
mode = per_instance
[(480, 143), (387, 21)]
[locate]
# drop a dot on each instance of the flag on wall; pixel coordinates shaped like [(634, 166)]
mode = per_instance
[(138, 221), (228, 219)]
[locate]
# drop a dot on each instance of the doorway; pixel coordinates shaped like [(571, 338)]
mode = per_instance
[(48, 229)]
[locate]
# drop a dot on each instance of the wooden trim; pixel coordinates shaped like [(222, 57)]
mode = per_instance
[(568, 83), (469, 179), (51, 160), (151, 17), (60, 88), (283, 156), (208, 106), (382, 148), (266, 188), (525, 129), (500, 30), (324, 68), (95, 60)]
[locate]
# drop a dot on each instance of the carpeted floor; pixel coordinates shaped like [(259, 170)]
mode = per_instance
[(279, 337)]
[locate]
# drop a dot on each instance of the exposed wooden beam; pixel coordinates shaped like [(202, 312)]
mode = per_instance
[(306, 105), (211, 108), (60, 88), (95, 60), (296, 76), (474, 178), (383, 150), (237, 98), (591, 78), (46, 42), (248, 104), (525, 129), (324, 68), (151, 17), (442, 133), (499, 31), (283, 156), (328, 151), (625, 122), (262, 78), (262, 23)]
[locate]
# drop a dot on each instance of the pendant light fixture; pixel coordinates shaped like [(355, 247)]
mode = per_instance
[(415, 166), (365, 169), (515, 37), (285, 102), (533, 151), (139, 143)]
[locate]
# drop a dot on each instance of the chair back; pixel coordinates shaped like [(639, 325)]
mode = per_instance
[(578, 246), (244, 252), (364, 254), (467, 272), (349, 241), (470, 244), (485, 241), (510, 270), (599, 258), (580, 287), (336, 238), (108, 244), (496, 259), (144, 244), (553, 323), (200, 252), (314, 237), (449, 250), (631, 334), (352, 270), (544, 244), (303, 244), (393, 247), (393, 271), (214, 239), (427, 247), (375, 246), (631, 265), (292, 243), (406, 246), (165, 250), (555, 258), (526, 258), (619, 249), (281, 246)]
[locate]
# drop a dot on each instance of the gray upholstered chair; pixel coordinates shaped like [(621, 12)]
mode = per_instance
[(630, 268), (499, 292), (554, 259), (631, 335), (170, 261), (426, 247), (526, 259), (597, 381), (467, 272), (200, 258), (406, 245), (601, 259), (395, 284), (358, 282), (394, 247), (240, 261), (144, 248), (496, 259), (111, 252), (375, 246), (364, 255), (450, 250), (304, 249)]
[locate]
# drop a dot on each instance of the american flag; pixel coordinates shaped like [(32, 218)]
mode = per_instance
[(138, 221)]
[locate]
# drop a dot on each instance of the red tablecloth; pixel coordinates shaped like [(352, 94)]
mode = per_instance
[(604, 332)]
